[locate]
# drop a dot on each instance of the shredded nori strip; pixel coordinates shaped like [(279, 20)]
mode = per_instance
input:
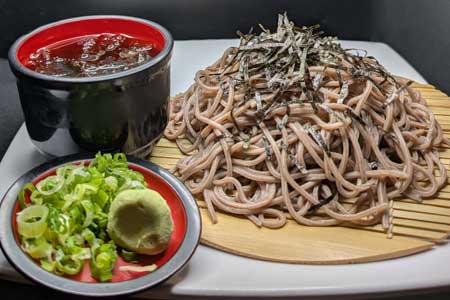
[(283, 57), (293, 158), (321, 203)]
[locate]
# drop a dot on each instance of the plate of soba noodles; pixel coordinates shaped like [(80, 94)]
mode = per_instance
[(290, 134)]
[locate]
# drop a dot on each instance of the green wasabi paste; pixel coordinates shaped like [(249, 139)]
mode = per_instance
[(140, 221)]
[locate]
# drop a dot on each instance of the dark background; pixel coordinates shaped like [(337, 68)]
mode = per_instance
[(418, 29)]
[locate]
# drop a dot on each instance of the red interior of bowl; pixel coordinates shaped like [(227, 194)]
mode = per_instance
[(78, 28), (179, 220)]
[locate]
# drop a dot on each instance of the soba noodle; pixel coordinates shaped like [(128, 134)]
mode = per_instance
[(289, 124)]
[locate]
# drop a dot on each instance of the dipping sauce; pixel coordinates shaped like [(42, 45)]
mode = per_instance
[(90, 56)]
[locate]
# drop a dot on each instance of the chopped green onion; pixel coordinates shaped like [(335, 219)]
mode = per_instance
[(89, 237), (48, 264), (132, 185), (50, 185), (67, 265), (103, 260), (27, 187), (37, 248), (36, 198), (89, 210), (82, 254), (111, 182), (65, 222), (32, 221)]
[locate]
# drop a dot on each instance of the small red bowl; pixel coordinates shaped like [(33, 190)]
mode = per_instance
[(124, 111), (183, 242)]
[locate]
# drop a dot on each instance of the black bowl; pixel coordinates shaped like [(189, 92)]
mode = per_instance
[(125, 111), (186, 242)]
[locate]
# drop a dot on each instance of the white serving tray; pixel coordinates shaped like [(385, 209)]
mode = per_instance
[(215, 273)]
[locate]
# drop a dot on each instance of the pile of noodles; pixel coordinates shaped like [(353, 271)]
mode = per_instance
[(289, 124)]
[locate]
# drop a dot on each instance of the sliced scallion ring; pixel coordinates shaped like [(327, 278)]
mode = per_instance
[(50, 185), (32, 221), (68, 265)]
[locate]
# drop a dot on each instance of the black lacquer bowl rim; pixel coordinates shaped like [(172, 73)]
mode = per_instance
[(17, 66), (27, 267)]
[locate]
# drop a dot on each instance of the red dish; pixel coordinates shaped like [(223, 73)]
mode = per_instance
[(184, 240), (178, 216), (73, 29)]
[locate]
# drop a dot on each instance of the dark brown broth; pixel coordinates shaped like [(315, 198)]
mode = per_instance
[(90, 56)]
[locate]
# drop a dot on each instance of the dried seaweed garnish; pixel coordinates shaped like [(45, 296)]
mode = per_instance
[(223, 87), (349, 111), (267, 148), (343, 93), (317, 137), (293, 158), (373, 165), (321, 203), (317, 81), (246, 139), (330, 111), (396, 93), (283, 122), (270, 105), (368, 120), (263, 46), (282, 58), (233, 119), (243, 68), (258, 101)]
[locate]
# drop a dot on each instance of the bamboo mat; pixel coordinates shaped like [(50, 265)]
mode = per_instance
[(417, 226)]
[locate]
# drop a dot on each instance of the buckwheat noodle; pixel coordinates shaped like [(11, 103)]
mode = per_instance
[(289, 124)]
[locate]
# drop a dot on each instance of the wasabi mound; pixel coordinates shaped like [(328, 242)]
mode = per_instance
[(140, 221)]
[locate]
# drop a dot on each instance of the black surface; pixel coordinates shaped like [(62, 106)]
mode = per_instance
[(418, 29), (10, 112), (193, 19)]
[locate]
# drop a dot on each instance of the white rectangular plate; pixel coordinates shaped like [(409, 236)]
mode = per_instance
[(215, 273)]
